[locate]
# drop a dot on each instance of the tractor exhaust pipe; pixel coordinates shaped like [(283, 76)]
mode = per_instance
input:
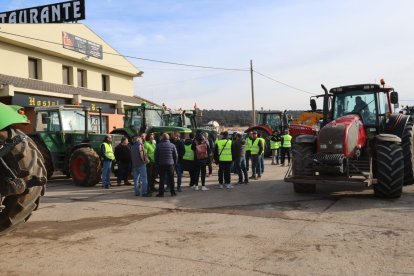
[(325, 109)]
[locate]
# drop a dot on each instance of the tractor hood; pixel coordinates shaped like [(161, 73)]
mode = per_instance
[(9, 115), (342, 136)]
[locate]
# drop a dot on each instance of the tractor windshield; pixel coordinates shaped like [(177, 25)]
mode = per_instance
[(153, 117), (357, 102), (171, 120), (189, 121), (273, 120), (73, 120)]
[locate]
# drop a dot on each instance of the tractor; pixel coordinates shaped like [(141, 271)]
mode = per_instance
[(146, 119), (185, 118), (360, 141), (22, 171), (64, 137), (408, 110)]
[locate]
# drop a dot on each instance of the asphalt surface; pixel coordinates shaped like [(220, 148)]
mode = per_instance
[(262, 228)]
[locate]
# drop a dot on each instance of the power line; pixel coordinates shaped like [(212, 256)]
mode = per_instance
[(138, 58), (285, 84)]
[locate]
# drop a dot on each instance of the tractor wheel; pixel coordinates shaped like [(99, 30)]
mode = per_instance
[(27, 162), (302, 166), (264, 135), (389, 170), (408, 151), (47, 157), (85, 167)]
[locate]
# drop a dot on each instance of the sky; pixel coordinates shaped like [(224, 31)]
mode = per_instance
[(295, 46)]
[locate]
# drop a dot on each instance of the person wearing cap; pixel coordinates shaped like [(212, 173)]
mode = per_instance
[(223, 157), (238, 149), (286, 141), (275, 143), (107, 156), (248, 147), (256, 151)]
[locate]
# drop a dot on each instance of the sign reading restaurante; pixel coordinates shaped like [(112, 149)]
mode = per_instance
[(69, 11)]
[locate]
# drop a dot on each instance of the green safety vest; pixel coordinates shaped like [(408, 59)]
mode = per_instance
[(188, 153), (275, 144), (149, 148), (263, 143), (254, 150), (248, 143), (109, 153), (224, 147), (287, 141)]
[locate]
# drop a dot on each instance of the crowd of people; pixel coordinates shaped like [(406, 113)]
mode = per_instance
[(168, 158)]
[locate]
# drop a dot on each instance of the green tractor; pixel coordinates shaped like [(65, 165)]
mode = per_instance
[(22, 171), (64, 136), (146, 119), (185, 118)]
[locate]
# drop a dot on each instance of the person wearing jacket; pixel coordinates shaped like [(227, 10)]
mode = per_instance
[(211, 145), (107, 156), (166, 158), (179, 145), (189, 158), (256, 151), (275, 143), (239, 151), (149, 147), (200, 162), (223, 157), (139, 168), (123, 160)]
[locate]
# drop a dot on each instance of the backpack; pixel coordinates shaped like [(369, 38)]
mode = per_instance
[(201, 150)]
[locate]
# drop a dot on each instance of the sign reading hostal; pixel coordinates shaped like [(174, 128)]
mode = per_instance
[(28, 100), (69, 11)]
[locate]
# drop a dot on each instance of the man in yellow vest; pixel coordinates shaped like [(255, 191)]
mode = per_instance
[(188, 163), (275, 143), (107, 156), (256, 153), (248, 148), (286, 141), (223, 156)]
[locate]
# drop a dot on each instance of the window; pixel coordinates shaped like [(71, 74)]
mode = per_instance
[(81, 78), (34, 68), (95, 127), (67, 75), (105, 83)]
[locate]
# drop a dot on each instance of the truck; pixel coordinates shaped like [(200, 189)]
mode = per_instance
[(22, 172), (146, 118), (64, 136), (361, 141)]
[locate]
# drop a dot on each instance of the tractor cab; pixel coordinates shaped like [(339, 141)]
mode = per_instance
[(272, 119)]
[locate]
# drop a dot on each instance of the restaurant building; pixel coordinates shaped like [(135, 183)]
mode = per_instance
[(52, 64)]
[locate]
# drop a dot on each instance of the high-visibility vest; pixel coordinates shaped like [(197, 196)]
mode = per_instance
[(224, 150), (287, 141), (149, 148), (275, 144), (254, 150), (263, 143), (188, 153), (109, 153), (248, 143)]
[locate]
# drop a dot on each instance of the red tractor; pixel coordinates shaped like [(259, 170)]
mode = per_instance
[(360, 141)]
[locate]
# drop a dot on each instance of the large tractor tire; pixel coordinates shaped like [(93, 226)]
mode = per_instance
[(85, 167), (47, 157), (27, 162), (389, 170), (408, 151), (302, 166)]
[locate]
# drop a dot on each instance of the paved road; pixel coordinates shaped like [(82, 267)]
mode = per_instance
[(258, 229)]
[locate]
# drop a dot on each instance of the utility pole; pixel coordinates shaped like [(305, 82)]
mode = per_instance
[(251, 80)]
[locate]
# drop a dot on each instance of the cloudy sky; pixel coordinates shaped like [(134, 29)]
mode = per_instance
[(300, 43)]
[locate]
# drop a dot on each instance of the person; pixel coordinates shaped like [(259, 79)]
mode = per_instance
[(149, 147), (107, 156), (360, 105), (139, 168), (286, 141), (223, 157), (211, 145), (261, 158), (248, 147), (275, 143), (166, 158), (189, 158), (202, 154), (239, 152), (256, 151), (123, 160), (179, 145)]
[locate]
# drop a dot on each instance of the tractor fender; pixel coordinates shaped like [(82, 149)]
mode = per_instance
[(10, 114), (305, 139), (396, 123), (265, 128), (383, 137)]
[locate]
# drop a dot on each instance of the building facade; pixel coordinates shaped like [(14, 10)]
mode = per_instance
[(53, 64)]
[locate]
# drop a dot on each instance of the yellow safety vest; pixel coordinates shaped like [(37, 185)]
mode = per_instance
[(275, 144), (254, 150), (224, 147), (287, 141), (109, 153), (263, 143), (248, 143), (188, 153), (149, 148)]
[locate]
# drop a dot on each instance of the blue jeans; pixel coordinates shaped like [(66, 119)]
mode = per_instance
[(256, 170), (106, 173), (240, 164), (262, 163), (140, 173), (275, 156), (179, 172)]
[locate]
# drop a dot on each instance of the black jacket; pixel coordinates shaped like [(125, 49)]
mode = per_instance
[(123, 153)]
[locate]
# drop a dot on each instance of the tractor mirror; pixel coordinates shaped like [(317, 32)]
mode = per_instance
[(313, 104), (394, 97)]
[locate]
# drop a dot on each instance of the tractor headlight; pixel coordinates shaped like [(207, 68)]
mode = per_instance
[(323, 146), (338, 146)]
